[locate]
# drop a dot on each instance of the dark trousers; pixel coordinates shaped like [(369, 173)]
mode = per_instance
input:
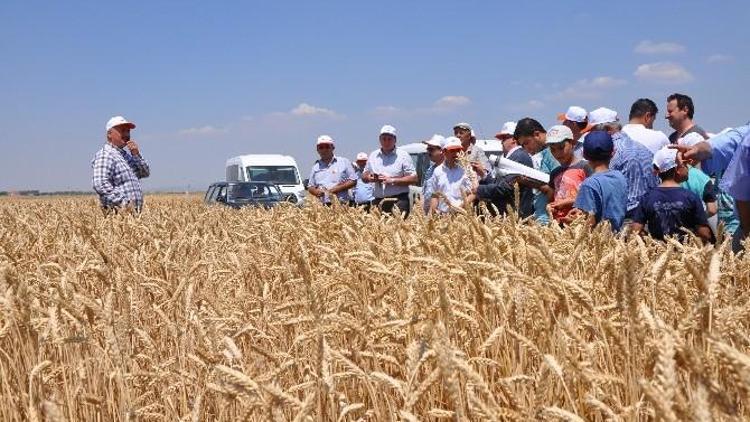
[(388, 203), (364, 205)]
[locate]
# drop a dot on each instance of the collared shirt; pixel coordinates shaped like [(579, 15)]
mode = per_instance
[(116, 174), (397, 163), (453, 183), (635, 162), (512, 150), (326, 176), (363, 191), (427, 187), (543, 161), (730, 159), (654, 140)]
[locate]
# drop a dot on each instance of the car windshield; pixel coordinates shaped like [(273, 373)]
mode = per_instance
[(252, 191), (280, 175)]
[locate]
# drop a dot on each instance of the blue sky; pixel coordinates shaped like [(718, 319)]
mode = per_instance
[(208, 80)]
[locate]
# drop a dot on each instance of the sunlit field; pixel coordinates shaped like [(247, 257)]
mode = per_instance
[(198, 313)]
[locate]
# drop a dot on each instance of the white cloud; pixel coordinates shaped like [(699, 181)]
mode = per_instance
[(385, 110), (304, 109), (450, 102), (719, 58), (444, 104), (202, 131), (589, 88), (651, 47), (663, 72), (531, 105)]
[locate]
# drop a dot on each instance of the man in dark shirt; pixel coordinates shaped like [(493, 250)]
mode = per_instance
[(500, 190), (680, 111), (669, 208)]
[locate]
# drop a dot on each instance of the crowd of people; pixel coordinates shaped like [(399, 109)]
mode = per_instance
[(627, 175), (598, 169)]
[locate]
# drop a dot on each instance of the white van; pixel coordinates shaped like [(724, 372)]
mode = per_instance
[(418, 153), (275, 168)]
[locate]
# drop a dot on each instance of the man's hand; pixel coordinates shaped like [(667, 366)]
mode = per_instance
[(133, 147), (316, 191), (573, 215), (370, 177), (386, 180), (529, 182), (478, 169), (696, 153)]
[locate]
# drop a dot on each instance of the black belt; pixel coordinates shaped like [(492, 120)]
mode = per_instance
[(404, 195)]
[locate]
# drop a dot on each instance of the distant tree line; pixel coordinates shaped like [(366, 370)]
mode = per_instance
[(39, 193)]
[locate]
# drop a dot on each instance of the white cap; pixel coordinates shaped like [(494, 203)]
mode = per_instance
[(558, 133), (665, 159), (452, 142), (436, 141), (388, 130), (602, 115), (325, 139), (507, 131), (691, 139), (463, 125), (575, 114), (362, 156), (117, 121)]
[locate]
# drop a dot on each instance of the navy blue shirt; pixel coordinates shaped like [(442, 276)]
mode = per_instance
[(666, 209)]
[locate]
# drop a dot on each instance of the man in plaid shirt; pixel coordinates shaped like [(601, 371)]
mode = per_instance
[(116, 171)]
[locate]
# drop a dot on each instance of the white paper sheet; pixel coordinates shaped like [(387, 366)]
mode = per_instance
[(506, 166)]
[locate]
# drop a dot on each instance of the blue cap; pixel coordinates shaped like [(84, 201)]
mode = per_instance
[(598, 145)]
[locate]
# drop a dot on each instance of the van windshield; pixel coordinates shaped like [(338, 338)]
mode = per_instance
[(280, 175)]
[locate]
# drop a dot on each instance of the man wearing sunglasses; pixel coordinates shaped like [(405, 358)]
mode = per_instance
[(331, 175)]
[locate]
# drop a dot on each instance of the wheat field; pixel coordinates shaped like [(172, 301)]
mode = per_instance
[(196, 313)]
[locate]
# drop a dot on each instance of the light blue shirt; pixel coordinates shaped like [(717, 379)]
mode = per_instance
[(453, 183), (363, 191), (604, 195), (635, 162), (545, 162), (731, 160), (326, 176), (397, 163)]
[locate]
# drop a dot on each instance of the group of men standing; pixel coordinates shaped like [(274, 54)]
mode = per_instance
[(626, 175), (629, 175)]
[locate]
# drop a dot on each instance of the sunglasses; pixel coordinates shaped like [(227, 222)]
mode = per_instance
[(325, 146)]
